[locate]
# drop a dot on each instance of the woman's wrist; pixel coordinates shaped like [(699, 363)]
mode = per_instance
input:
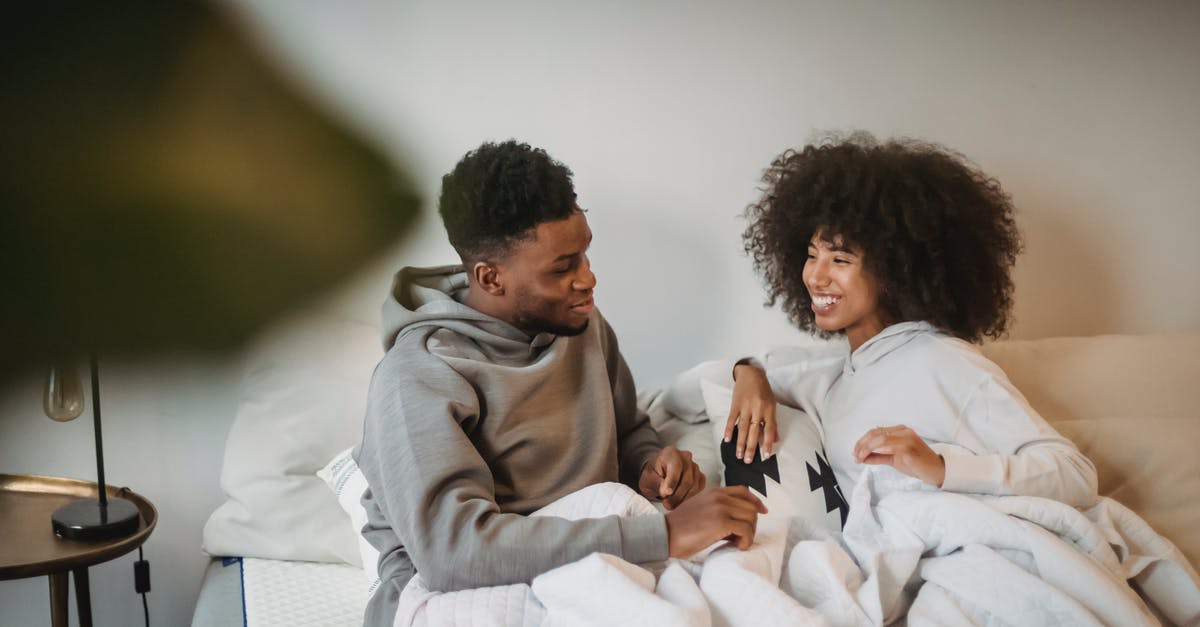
[(745, 361), (940, 471)]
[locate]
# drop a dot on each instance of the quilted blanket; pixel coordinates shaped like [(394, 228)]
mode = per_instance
[(907, 551)]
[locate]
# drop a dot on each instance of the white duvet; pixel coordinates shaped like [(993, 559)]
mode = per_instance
[(938, 558)]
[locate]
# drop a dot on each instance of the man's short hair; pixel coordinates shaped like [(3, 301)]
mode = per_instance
[(498, 194)]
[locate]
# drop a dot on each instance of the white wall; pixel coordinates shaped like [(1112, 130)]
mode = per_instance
[(668, 112)]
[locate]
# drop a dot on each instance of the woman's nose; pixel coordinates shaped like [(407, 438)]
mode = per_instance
[(817, 273)]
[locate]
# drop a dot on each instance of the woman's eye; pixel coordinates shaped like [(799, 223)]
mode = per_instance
[(840, 260)]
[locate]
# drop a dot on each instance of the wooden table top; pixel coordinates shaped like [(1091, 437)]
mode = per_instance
[(28, 546)]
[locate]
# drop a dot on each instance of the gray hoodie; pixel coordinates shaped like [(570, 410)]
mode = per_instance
[(472, 424)]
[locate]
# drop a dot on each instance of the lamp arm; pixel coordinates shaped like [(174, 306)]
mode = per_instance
[(103, 497)]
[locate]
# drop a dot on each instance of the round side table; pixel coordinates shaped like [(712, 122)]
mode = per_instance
[(31, 549)]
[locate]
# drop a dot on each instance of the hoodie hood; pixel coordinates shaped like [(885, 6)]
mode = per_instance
[(423, 297), (886, 341)]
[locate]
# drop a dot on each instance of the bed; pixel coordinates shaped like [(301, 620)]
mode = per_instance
[(255, 591), (285, 550)]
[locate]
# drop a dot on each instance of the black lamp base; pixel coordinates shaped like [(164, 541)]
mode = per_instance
[(86, 519)]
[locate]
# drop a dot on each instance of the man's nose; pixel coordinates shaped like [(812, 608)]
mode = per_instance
[(586, 279)]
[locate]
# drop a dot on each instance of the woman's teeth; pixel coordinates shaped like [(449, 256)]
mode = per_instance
[(824, 301)]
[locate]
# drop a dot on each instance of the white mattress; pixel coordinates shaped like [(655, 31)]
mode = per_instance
[(297, 594)]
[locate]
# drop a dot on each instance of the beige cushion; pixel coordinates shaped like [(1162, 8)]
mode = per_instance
[(1132, 405)]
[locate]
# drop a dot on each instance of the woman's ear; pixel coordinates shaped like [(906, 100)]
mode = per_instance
[(888, 304), (487, 276)]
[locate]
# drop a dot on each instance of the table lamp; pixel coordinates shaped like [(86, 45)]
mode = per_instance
[(101, 518)]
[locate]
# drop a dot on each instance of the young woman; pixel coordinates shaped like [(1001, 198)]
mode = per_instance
[(905, 249)]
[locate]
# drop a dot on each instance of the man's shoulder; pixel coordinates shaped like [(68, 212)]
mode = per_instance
[(410, 374), (422, 349)]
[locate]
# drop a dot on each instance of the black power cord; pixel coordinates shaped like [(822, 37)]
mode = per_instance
[(141, 582), (141, 571)]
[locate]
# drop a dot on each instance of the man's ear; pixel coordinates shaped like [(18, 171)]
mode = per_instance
[(487, 277)]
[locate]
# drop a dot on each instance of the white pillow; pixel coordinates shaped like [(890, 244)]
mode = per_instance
[(344, 477), (686, 435), (301, 401), (803, 483)]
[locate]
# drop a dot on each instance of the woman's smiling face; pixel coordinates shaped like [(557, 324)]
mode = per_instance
[(845, 297)]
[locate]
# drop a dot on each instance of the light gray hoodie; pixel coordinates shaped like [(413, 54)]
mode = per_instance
[(471, 424)]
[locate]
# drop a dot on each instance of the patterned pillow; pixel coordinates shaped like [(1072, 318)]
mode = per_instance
[(343, 476), (797, 480)]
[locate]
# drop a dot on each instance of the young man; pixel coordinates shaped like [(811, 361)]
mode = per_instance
[(502, 390)]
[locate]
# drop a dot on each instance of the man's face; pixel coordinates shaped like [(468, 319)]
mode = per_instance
[(551, 279)]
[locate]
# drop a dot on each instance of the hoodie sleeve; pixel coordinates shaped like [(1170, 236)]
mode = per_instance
[(437, 493), (637, 441), (1028, 458), (800, 384)]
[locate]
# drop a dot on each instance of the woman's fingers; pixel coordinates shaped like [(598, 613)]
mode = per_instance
[(752, 412), (903, 449), (743, 433), (770, 430), (753, 435), (731, 422), (874, 440), (755, 427)]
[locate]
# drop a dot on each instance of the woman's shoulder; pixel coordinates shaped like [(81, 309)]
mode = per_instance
[(950, 356)]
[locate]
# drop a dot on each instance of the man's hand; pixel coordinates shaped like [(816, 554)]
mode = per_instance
[(902, 449), (671, 477), (717, 514), (753, 408)]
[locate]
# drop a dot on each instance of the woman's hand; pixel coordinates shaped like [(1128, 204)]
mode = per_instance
[(901, 448), (753, 411)]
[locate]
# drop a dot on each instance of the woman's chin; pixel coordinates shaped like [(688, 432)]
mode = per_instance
[(829, 326)]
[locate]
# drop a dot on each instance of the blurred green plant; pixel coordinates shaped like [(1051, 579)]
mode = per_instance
[(163, 186)]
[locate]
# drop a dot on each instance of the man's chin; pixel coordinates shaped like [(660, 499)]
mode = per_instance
[(535, 325), (568, 331)]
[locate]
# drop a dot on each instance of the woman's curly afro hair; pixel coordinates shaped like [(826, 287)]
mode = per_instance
[(935, 232), (498, 194)]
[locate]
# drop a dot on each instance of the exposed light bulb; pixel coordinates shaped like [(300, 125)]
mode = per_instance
[(63, 398)]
